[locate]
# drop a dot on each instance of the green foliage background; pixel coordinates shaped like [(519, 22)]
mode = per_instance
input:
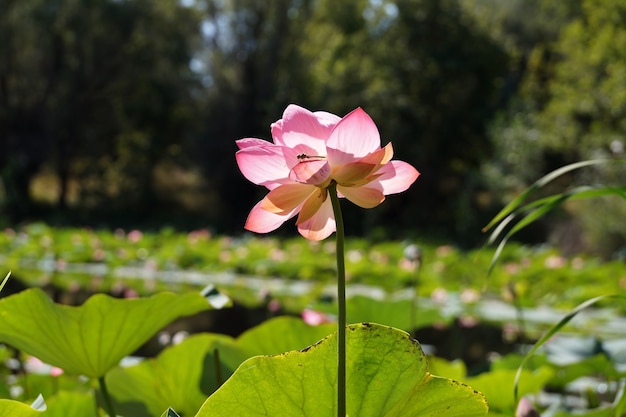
[(125, 113)]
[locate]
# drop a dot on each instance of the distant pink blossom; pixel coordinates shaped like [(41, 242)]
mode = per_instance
[(274, 306), (276, 254), (512, 268), (578, 263), (36, 366), (439, 295), (98, 255), (134, 236), (198, 235), (468, 321), (469, 296), (56, 371), (444, 250), (130, 293), (61, 264), (406, 264), (225, 256), (314, 318), (311, 151), (525, 409), (555, 262)]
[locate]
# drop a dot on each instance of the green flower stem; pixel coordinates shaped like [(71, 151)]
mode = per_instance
[(341, 300), (108, 405)]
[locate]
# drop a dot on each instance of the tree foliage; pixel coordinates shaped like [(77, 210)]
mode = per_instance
[(94, 90), (569, 107), (421, 68), (120, 99), (587, 106)]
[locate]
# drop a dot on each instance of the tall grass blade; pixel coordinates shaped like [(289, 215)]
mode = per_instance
[(516, 202), (538, 208), (551, 332), (4, 281)]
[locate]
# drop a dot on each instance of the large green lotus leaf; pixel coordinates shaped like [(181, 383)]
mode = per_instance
[(88, 340), (455, 369), (10, 408), (386, 376), (181, 377), (71, 403), (282, 334), (497, 385)]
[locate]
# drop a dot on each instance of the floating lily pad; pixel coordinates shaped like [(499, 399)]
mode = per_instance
[(497, 385), (386, 376), (9, 408), (67, 403), (455, 369), (282, 334), (88, 340), (183, 376)]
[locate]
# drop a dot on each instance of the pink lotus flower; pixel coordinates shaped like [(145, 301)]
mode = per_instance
[(311, 151)]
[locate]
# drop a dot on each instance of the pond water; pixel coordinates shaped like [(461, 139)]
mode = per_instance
[(253, 295)]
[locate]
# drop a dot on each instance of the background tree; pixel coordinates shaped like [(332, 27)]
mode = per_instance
[(126, 104), (239, 59), (569, 106), (98, 91), (430, 79)]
